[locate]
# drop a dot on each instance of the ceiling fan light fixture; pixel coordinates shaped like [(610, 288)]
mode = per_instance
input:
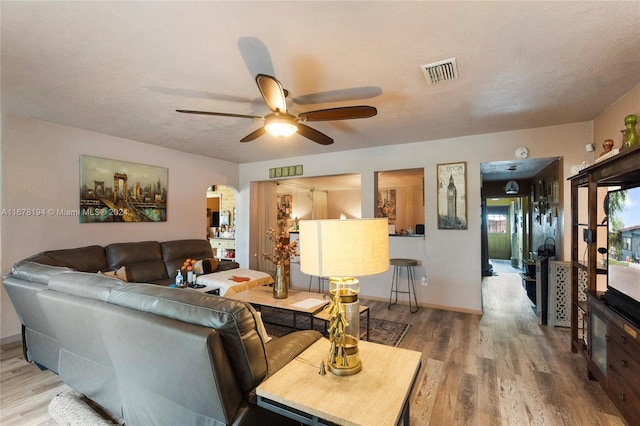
[(281, 127)]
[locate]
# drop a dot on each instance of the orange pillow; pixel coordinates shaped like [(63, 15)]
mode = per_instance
[(206, 266)]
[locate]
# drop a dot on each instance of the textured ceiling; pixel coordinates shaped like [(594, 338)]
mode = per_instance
[(122, 68)]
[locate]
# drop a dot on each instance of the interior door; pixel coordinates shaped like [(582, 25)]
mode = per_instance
[(498, 232)]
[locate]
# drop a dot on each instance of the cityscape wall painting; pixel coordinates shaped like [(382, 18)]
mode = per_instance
[(119, 191), (452, 195)]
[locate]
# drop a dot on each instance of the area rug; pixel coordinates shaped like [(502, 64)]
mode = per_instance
[(69, 409), (279, 322)]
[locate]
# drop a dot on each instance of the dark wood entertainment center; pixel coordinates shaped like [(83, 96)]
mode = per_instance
[(609, 341)]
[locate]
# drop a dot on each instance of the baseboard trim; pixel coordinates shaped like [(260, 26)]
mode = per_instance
[(10, 339)]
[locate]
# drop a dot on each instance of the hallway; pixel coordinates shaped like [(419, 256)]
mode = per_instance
[(501, 266)]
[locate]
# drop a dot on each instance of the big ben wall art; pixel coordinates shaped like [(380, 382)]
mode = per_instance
[(452, 196)]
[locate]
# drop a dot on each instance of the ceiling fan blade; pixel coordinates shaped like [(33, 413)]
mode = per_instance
[(314, 135), (221, 114), (272, 92), (254, 135), (339, 95), (256, 56), (340, 113)]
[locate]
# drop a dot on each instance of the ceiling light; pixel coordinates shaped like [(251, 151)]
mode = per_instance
[(280, 126), (512, 187)]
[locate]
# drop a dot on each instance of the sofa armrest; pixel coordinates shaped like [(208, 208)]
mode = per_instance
[(37, 273), (282, 350)]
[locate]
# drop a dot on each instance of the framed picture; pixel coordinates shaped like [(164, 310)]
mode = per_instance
[(118, 191), (387, 205), (285, 206), (452, 195)]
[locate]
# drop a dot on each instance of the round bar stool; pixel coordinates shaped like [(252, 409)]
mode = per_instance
[(397, 267)]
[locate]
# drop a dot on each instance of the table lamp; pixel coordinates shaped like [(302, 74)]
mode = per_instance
[(342, 250)]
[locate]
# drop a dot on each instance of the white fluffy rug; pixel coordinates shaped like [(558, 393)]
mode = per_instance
[(69, 409)]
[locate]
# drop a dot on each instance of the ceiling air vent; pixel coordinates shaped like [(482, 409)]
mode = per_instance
[(438, 72)]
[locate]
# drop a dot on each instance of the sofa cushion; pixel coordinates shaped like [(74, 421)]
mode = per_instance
[(84, 284), (174, 253), (86, 259), (225, 265), (143, 260)]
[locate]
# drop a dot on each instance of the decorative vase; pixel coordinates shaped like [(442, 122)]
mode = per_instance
[(280, 290), (630, 134)]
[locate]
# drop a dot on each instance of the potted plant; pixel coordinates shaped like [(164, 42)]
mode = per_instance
[(283, 251)]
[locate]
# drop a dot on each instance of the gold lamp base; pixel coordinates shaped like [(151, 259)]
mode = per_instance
[(354, 366), (344, 326)]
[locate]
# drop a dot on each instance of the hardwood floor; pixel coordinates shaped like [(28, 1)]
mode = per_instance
[(500, 368)]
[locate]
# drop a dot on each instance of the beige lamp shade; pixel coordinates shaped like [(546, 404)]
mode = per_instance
[(344, 248)]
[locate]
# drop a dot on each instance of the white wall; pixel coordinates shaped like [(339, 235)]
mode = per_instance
[(40, 169), (608, 124), (450, 258)]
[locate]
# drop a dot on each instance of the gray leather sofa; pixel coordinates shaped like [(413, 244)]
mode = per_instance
[(148, 354), (145, 261)]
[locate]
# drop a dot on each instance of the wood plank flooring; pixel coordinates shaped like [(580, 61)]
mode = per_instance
[(500, 368)]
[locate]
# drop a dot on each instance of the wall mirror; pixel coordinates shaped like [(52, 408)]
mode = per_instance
[(400, 199)]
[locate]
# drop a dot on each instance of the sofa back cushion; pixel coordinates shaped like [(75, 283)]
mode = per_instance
[(83, 284), (142, 260), (174, 253), (86, 259), (235, 321)]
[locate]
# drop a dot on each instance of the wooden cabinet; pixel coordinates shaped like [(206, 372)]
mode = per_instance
[(614, 357), (225, 248), (609, 343)]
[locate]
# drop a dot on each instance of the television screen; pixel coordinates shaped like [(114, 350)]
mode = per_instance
[(623, 260)]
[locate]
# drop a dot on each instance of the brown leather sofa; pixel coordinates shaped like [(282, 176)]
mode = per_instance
[(145, 261), (147, 354)]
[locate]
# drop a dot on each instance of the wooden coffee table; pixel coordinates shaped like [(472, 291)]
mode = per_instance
[(378, 395), (298, 302)]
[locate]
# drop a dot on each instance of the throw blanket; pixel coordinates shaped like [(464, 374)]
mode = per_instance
[(235, 280)]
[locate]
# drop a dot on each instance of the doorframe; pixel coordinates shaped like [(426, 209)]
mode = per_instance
[(522, 213)]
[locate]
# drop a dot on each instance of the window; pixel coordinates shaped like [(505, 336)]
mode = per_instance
[(626, 243), (497, 223)]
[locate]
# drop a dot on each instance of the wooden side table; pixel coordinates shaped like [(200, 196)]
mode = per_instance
[(378, 395)]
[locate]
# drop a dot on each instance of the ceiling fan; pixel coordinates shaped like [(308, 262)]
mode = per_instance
[(281, 123)]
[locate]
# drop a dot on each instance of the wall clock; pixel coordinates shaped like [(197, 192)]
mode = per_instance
[(522, 152)]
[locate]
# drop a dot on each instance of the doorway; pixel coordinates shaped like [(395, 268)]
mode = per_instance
[(221, 220), (498, 232), (507, 236), (515, 185)]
